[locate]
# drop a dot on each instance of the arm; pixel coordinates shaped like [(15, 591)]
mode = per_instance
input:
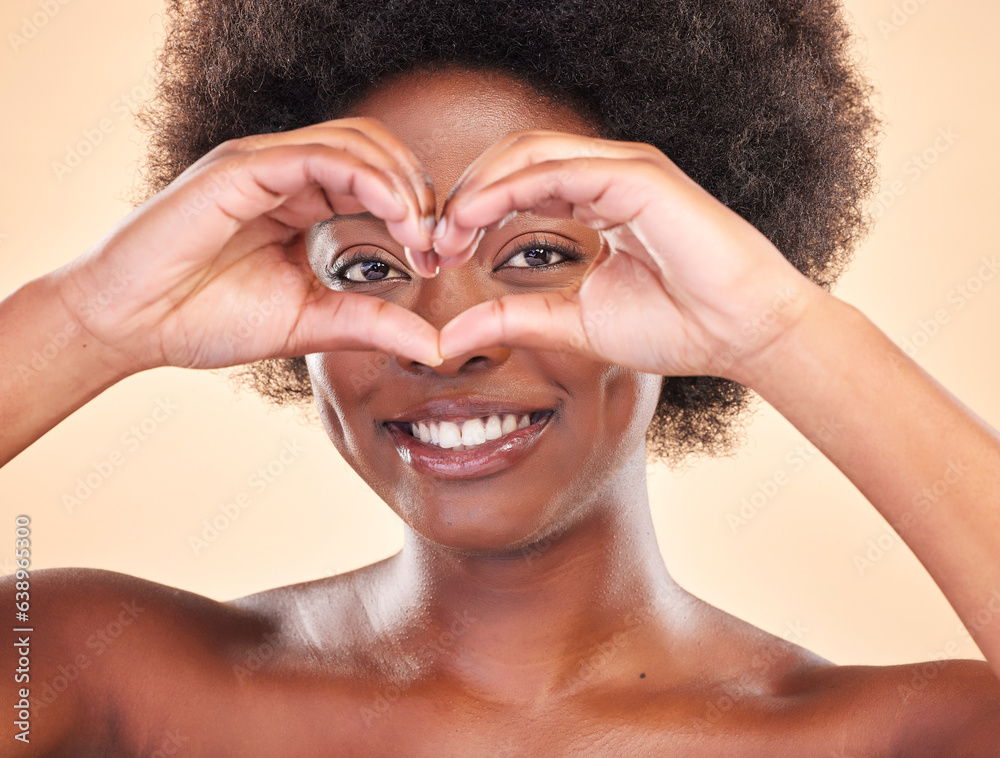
[(170, 284), (52, 366), (688, 288), (927, 463)]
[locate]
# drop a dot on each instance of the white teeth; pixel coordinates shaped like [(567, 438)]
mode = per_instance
[(470, 433), (473, 432), (493, 428), (450, 436)]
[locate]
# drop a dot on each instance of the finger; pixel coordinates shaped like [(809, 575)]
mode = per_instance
[(544, 321), (371, 141), (522, 149), (351, 321), (408, 164), (420, 178), (601, 193), (213, 205)]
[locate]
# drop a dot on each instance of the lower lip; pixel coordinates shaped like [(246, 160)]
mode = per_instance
[(489, 458)]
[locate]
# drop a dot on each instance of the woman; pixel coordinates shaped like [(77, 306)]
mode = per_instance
[(530, 612)]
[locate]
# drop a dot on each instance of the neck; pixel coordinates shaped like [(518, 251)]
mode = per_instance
[(521, 625)]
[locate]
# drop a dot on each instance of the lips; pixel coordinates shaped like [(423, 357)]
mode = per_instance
[(463, 434), (466, 438)]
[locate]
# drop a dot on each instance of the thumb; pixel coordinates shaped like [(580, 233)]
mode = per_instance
[(544, 321), (352, 321)]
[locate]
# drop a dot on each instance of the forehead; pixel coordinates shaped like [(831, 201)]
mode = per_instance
[(448, 118)]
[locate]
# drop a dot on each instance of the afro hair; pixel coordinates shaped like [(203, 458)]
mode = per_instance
[(761, 102)]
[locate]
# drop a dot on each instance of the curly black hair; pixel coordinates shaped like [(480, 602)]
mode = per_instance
[(761, 102)]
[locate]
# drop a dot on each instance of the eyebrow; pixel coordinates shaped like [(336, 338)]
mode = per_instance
[(364, 217)]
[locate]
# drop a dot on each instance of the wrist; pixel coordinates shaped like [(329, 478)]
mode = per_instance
[(50, 346), (789, 329), (85, 311), (54, 366)]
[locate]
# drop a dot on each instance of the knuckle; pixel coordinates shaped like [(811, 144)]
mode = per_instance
[(247, 143)]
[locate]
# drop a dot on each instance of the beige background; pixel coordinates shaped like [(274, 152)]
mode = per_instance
[(792, 569)]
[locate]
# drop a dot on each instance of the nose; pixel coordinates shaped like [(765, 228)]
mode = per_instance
[(460, 364), (441, 299)]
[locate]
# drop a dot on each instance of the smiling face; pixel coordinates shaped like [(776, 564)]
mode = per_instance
[(493, 450)]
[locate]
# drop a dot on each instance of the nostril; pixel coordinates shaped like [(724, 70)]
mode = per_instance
[(476, 360)]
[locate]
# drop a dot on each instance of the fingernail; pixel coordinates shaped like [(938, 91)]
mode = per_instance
[(441, 229), (425, 262), (420, 262), (429, 223), (435, 261)]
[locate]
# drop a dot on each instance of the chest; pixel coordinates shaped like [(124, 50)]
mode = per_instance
[(304, 719)]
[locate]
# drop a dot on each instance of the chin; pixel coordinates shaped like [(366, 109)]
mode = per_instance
[(478, 526)]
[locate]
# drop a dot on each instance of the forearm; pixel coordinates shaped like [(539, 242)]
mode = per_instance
[(927, 463), (52, 366)]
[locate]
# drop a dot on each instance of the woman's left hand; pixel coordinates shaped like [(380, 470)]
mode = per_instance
[(683, 286)]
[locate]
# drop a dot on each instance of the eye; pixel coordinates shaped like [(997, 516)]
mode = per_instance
[(363, 267), (542, 253), (534, 257), (370, 271)]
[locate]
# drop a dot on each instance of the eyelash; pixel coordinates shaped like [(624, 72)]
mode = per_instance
[(568, 252), (337, 270)]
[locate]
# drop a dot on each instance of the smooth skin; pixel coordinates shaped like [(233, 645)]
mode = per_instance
[(529, 612)]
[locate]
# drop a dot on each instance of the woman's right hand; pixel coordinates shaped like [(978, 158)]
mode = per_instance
[(213, 271)]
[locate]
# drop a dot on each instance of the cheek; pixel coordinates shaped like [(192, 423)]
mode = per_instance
[(616, 402), (343, 383), (629, 400), (635, 396)]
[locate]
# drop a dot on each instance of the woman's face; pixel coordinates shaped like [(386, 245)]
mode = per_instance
[(586, 420)]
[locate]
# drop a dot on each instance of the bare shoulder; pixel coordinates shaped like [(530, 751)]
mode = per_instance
[(96, 634), (933, 708), (774, 688)]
